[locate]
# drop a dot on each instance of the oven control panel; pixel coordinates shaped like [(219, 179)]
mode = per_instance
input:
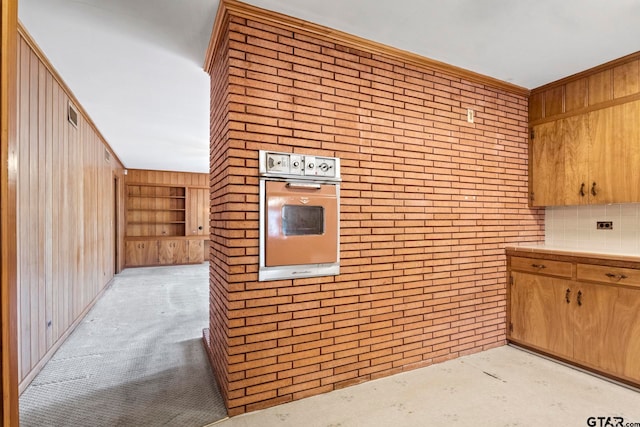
[(283, 165)]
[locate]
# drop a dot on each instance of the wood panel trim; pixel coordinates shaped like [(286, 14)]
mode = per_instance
[(588, 109), (158, 238), (586, 73), (40, 54), (153, 184), (216, 34), (159, 178), (243, 10), (8, 246)]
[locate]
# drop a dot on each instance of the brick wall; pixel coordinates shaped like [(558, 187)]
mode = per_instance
[(428, 202), (216, 338)]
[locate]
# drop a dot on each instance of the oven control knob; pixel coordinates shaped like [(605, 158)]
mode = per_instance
[(296, 164), (310, 165), (323, 167)]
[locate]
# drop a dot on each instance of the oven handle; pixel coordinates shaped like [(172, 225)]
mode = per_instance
[(305, 185)]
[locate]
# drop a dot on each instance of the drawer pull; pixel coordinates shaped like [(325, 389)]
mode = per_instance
[(593, 189), (579, 298), (538, 266), (616, 276), (566, 296), (582, 193)]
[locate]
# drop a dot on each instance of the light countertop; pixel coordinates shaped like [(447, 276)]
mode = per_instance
[(573, 251)]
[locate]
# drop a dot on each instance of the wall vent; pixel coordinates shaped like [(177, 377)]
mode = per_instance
[(107, 156), (72, 115)]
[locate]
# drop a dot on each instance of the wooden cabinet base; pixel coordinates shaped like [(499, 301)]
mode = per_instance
[(157, 252), (587, 368), (589, 317)]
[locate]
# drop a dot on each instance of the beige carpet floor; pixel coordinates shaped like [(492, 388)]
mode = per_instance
[(137, 358)]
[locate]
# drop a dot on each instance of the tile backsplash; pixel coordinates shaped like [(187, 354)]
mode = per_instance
[(575, 227)]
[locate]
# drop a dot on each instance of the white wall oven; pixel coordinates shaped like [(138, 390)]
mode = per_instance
[(299, 216)]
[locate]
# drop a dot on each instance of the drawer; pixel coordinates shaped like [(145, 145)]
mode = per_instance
[(611, 275), (542, 266)]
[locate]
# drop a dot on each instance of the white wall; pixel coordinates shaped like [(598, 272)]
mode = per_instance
[(575, 227)]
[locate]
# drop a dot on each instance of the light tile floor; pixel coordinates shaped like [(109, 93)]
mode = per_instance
[(500, 387)]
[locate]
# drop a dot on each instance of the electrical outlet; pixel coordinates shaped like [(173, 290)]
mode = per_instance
[(604, 225), (470, 115)]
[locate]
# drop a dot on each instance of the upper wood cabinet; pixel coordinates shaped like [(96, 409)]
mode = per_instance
[(198, 212), (615, 150), (587, 158), (560, 162), (585, 137)]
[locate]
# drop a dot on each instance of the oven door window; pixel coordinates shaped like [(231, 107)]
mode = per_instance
[(302, 220)]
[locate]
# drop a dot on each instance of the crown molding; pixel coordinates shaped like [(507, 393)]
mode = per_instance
[(589, 72), (247, 11)]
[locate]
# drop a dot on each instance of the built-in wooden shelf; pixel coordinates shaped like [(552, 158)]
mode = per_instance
[(166, 223)]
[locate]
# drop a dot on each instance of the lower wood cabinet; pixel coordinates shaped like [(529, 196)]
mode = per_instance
[(140, 253), (540, 315), (593, 322), (152, 252), (173, 252), (197, 251)]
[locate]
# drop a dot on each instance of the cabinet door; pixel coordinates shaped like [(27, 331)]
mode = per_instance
[(615, 153), (626, 337), (540, 316), (547, 160), (559, 162), (593, 321), (198, 212), (196, 251), (607, 329), (141, 252), (173, 252)]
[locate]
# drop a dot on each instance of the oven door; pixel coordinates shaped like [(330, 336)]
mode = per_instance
[(301, 221)]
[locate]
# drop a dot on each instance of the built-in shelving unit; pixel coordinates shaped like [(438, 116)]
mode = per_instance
[(154, 210), (167, 218)]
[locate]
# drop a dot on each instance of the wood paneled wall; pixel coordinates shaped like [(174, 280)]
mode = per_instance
[(67, 221), (187, 179), (615, 82)]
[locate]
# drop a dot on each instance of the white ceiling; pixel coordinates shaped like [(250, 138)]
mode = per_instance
[(136, 65)]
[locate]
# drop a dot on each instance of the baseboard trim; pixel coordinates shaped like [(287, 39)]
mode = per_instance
[(575, 367)]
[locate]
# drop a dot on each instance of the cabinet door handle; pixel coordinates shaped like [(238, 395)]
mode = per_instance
[(593, 189), (538, 266), (616, 276), (582, 193), (566, 296), (579, 298)]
